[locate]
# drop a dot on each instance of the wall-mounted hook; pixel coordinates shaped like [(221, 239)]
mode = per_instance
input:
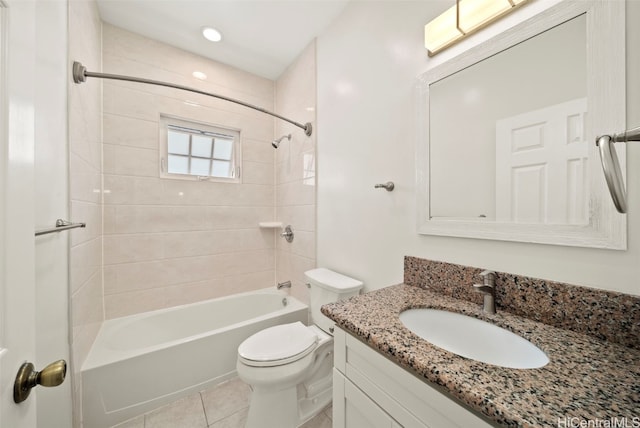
[(388, 186)]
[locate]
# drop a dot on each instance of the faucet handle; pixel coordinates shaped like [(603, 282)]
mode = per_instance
[(489, 278), (481, 288)]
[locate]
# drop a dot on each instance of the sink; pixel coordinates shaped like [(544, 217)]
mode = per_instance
[(473, 338)]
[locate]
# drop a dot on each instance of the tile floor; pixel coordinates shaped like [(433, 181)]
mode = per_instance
[(224, 406)]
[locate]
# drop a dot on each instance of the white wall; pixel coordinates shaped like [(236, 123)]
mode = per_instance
[(368, 61)]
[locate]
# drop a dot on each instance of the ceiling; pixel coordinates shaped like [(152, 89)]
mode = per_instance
[(259, 36)]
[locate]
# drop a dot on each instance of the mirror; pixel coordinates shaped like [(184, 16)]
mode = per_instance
[(509, 115), (507, 148)]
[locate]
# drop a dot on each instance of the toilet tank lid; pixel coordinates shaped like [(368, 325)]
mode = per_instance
[(331, 280)]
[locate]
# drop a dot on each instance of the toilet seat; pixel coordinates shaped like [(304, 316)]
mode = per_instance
[(279, 345)]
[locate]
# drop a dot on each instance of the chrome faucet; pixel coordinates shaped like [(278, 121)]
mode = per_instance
[(488, 290), (286, 284)]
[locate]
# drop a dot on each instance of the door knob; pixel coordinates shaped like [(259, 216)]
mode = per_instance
[(28, 377)]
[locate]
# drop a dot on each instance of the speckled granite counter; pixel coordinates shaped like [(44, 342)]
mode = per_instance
[(586, 378)]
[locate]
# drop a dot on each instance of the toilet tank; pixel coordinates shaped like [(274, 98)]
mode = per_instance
[(327, 286)]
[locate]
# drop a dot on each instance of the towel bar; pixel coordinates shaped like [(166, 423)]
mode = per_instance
[(60, 226)]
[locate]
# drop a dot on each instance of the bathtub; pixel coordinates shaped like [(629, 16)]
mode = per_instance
[(140, 362)]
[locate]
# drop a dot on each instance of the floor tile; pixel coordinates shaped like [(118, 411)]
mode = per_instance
[(329, 412), (319, 421), (185, 413), (237, 420), (226, 399), (132, 423), (224, 406)]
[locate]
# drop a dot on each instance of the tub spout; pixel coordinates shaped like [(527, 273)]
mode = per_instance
[(286, 284)]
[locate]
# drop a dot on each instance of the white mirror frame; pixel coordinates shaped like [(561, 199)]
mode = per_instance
[(606, 100)]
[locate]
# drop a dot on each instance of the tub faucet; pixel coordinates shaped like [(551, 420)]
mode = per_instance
[(488, 290), (286, 284)]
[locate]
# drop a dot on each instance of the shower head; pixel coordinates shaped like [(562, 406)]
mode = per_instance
[(276, 143)]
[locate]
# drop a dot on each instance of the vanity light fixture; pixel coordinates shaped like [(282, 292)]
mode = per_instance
[(462, 19), (211, 34)]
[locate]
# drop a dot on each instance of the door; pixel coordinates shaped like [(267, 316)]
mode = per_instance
[(34, 320), (18, 244), (535, 149)]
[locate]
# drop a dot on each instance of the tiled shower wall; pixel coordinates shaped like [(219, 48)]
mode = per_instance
[(85, 169), (295, 171), (169, 241)]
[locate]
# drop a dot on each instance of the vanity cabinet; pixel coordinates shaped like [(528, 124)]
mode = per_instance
[(371, 391), (357, 409)]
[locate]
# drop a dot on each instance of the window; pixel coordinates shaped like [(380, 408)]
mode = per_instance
[(197, 151)]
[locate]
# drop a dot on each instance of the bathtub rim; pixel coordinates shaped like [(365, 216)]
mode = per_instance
[(99, 355)]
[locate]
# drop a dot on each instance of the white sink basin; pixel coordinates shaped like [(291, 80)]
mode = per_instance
[(473, 338)]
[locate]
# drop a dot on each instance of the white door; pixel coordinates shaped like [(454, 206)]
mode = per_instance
[(535, 149), (27, 333)]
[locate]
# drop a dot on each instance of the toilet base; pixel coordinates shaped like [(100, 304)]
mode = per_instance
[(309, 406), (290, 407), (272, 409)]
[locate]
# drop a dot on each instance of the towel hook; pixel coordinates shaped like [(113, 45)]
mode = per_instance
[(388, 186)]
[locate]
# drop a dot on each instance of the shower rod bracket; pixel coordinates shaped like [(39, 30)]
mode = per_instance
[(80, 75)]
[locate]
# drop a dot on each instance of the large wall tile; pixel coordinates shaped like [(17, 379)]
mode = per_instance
[(295, 173)]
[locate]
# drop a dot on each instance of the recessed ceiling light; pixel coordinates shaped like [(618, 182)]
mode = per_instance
[(211, 34), (199, 75)]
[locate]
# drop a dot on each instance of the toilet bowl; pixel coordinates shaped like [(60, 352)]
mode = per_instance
[(289, 366)]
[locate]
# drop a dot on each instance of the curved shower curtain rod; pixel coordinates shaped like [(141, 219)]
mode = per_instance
[(80, 75)]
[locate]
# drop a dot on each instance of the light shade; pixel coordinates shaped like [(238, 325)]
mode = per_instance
[(439, 33), (465, 17)]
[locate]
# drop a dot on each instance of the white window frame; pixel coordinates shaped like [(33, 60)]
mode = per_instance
[(199, 127)]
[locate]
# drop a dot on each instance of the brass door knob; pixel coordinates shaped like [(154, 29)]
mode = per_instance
[(28, 377)]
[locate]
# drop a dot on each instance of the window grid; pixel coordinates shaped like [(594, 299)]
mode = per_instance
[(211, 158)]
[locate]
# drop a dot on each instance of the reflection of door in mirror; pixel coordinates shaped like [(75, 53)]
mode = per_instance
[(541, 166), (464, 107)]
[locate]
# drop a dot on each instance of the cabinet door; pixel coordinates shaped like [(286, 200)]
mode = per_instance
[(354, 409)]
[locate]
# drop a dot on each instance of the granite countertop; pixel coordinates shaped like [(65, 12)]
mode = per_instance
[(586, 378)]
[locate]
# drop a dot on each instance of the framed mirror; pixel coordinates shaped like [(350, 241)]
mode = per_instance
[(507, 134)]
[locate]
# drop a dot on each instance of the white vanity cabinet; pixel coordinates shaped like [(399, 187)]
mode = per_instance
[(356, 408), (371, 391)]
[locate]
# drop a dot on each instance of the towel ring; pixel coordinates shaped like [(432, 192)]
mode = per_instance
[(611, 165)]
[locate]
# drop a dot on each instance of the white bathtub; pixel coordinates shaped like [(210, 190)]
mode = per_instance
[(140, 362)]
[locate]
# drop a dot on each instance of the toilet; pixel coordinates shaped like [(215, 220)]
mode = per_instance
[(289, 366)]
